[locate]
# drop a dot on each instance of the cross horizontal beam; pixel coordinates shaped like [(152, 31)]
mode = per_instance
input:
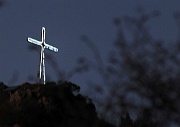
[(51, 47), (31, 40)]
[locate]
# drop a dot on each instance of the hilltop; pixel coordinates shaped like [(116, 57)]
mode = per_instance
[(54, 104)]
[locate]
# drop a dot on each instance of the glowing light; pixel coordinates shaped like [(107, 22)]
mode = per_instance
[(51, 48), (42, 57), (34, 41)]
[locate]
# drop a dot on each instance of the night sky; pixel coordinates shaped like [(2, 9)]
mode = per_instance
[(65, 22)]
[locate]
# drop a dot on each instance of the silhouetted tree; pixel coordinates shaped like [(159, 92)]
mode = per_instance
[(126, 121), (142, 74)]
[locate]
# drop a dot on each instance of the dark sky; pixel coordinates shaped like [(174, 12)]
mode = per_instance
[(65, 21)]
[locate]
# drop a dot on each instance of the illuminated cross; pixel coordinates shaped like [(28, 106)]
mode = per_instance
[(43, 45)]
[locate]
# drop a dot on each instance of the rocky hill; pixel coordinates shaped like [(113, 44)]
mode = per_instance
[(54, 104)]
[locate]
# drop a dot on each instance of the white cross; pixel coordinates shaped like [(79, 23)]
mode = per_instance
[(43, 45)]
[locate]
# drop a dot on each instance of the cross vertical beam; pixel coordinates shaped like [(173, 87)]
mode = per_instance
[(43, 45)]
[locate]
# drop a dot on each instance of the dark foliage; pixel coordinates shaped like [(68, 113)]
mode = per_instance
[(126, 121), (2, 2), (142, 74), (53, 104)]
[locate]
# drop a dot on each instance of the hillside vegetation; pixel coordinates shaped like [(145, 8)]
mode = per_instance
[(54, 104)]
